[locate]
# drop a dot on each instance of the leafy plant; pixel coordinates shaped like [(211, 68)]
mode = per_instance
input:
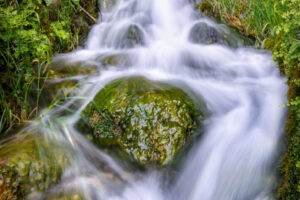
[(30, 33)]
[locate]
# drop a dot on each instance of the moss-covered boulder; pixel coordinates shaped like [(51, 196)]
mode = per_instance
[(29, 164), (151, 121)]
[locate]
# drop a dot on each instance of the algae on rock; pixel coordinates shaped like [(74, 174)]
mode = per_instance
[(29, 164), (151, 121)]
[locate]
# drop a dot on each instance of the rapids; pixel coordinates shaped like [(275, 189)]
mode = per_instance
[(237, 155)]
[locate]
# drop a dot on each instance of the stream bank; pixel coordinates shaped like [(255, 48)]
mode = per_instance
[(275, 26)]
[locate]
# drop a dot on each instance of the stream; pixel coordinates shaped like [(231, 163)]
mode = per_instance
[(237, 154)]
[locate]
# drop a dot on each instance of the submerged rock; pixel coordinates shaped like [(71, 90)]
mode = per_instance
[(132, 37), (29, 164), (203, 33), (151, 121), (61, 69), (116, 60), (64, 196)]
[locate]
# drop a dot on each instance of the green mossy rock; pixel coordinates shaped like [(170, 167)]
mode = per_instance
[(151, 121), (29, 164)]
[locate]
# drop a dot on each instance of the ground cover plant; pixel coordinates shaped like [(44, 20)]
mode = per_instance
[(31, 32)]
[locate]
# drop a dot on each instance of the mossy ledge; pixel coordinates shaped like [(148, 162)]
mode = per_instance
[(151, 121)]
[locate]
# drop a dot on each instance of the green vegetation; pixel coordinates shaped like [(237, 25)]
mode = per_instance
[(253, 18), (151, 121), (276, 26), (31, 32)]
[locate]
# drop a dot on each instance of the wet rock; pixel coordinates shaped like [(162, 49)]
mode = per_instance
[(62, 82), (132, 37), (116, 60), (203, 33), (64, 196), (29, 164), (57, 91), (82, 26), (151, 121), (62, 70)]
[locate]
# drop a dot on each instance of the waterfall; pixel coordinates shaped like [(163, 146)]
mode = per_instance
[(164, 40)]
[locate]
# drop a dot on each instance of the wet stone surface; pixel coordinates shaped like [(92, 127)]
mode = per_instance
[(151, 121), (132, 37), (203, 33), (29, 164)]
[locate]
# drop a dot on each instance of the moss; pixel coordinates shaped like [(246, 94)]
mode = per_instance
[(149, 120), (67, 70), (290, 170), (29, 164), (73, 195), (269, 44), (206, 8), (280, 61)]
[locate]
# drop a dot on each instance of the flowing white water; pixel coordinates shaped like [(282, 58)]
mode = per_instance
[(235, 159)]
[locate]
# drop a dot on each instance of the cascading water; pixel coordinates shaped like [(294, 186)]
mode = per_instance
[(235, 158)]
